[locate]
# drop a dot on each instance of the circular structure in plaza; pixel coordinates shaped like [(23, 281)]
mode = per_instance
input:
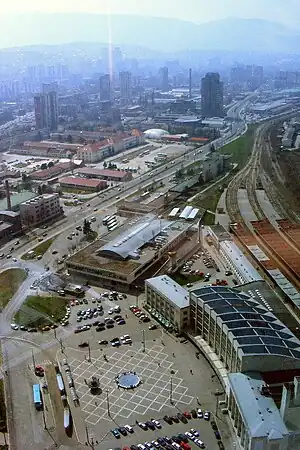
[(128, 380)]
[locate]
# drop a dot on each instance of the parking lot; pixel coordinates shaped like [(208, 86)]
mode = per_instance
[(172, 379)]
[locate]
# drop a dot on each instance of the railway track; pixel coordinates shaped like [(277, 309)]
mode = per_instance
[(247, 177)]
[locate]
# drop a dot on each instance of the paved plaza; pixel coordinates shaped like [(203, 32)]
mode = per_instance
[(157, 374)]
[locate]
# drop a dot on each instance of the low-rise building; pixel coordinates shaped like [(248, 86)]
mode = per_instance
[(91, 184), (10, 225), (40, 209), (47, 149), (168, 301), (53, 171), (97, 151), (129, 254), (105, 174)]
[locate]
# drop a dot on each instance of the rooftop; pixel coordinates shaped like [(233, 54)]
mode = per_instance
[(248, 272), (103, 172), (77, 181), (16, 199), (259, 412), (256, 330), (96, 146), (127, 244), (175, 293)]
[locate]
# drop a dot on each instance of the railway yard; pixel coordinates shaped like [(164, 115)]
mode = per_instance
[(264, 221)]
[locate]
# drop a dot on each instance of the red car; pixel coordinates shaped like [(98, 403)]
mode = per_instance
[(126, 448), (187, 415), (185, 446)]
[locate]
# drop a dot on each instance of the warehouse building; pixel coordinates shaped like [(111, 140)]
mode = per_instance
[(90, 184), (168, 302), (105, 174)]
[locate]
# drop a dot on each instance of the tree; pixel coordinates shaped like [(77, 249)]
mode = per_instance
[(40, 190), (44, 166), (179, 173), (190, 171), (86, 227), (69, 139), (105, 164), (50, 164)]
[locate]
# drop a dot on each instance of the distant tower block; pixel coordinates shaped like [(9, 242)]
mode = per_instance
[(190, 83), (8, 199)]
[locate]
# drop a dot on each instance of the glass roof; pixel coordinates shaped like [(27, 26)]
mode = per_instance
[(255, 328)]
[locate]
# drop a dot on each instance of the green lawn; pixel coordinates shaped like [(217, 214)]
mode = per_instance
[(185, 279), (39, 311), (241, 148), (40, 249), (10, 281)]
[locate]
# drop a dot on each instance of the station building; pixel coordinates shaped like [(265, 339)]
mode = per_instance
[(262, 359), (134, 250)]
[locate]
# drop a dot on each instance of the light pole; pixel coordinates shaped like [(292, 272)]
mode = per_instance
[(107, 404), (33, 359), (143, 341), (89, 355), (171, 391)]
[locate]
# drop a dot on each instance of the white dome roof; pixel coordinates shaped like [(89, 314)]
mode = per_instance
[(155, 133)]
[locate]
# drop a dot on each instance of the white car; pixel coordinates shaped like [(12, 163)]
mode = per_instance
[(199, 413), (189, 435), (175, 445), (126, 336), (15, 260), (141, 447), (194, 432), (199, 443), (128, 428), (156, 423), (207, 415), (14, 326)]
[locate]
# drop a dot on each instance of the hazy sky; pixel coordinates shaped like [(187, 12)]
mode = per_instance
[(285, 11)]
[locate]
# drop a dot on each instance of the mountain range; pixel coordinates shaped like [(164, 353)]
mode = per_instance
[(170, 35)]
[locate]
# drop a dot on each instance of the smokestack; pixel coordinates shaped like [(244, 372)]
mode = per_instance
[(7, 195), (190, 83)]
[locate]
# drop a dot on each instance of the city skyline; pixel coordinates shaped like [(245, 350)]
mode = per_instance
[(196, 11)]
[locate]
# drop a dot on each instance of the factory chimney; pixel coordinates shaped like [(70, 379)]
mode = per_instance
[(7, 195), (190, 83)]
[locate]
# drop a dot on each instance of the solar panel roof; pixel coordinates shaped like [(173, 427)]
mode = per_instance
[(256, 329)]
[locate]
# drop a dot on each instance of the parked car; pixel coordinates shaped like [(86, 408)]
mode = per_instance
[(116, 433)]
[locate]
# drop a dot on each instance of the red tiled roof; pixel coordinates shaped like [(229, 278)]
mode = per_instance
[(77, 181), (103, 172), (97, 145)]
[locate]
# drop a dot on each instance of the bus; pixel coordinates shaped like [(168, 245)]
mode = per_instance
[(113, 227), (37, 397), (111, 219), (106, 219), (111, 224)]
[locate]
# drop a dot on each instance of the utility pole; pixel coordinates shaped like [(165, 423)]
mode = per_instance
[(171, 391), (143, 341), (107, 403), (33, 359)]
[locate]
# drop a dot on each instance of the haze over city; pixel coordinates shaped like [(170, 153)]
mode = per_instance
[(150, 225)]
